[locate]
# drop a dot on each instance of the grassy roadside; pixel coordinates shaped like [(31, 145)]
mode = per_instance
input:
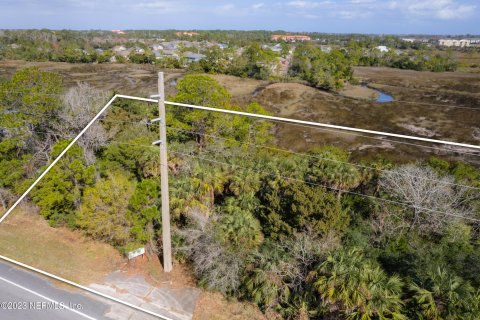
[(29, 239)]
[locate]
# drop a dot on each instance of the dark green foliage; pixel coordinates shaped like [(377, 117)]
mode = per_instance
[(144, 212), (29, 108), (59, 192), (103, 214), (289, 206), (323, 70)]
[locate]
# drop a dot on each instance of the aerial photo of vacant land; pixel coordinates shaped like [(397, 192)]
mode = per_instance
[(203, 166)]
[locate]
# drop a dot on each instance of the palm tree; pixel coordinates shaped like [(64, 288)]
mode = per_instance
[(330, 167), (351, 285), (208, 182), (239, 229), (445, 296)]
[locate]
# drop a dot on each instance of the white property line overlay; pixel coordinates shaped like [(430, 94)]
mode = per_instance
[(46, 298), (239, 113)]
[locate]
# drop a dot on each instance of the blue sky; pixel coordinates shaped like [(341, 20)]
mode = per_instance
[(345, 16)]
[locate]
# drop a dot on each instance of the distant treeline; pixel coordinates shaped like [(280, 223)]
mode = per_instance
[(325, 63)]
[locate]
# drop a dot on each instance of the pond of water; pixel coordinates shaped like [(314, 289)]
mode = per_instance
[(383, 97)]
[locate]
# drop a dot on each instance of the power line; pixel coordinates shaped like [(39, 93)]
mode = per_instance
[(145, 123), (389, 140), (307, 182), (313, 124), (327, 187), (142, 122), (321, 158)]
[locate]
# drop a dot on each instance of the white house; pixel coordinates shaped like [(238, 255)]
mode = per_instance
[(157, 47), (194, 57), (454, 42), (382, 48)]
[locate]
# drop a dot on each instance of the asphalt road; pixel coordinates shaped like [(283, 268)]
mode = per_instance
[(27, 296)]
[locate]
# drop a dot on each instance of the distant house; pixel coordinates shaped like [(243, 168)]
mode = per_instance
[(169, 45), (475, 42), (382, 48), (124, 53), (222, 45), (194, 57), (277, 48), (326, 49), (118, 31), (454, 42), (170, 53), (157, 54), (288, 37), (189, 44), (118, 48), (157, 47)]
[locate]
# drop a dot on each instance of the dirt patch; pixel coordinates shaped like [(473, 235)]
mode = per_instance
[(150, 267), (359, 92), (238, 86), (213, 306)]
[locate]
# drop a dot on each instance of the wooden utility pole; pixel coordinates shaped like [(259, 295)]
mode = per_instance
[(167, 242)]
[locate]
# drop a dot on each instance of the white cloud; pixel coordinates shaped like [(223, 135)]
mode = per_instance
[(354, 14), (439, 9), (362, 1), (460, 12), (257, 6), (303, 4), (226, 7), (155, 6)]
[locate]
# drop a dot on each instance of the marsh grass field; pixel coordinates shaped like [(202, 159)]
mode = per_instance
[(442, 106)]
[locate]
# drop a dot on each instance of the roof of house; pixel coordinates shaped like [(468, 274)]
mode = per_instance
[(192, 55)]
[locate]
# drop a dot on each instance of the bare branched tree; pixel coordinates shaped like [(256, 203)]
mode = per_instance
[(302, 252), (6, 197), (217, 267), (433, 201), (81, 103)]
